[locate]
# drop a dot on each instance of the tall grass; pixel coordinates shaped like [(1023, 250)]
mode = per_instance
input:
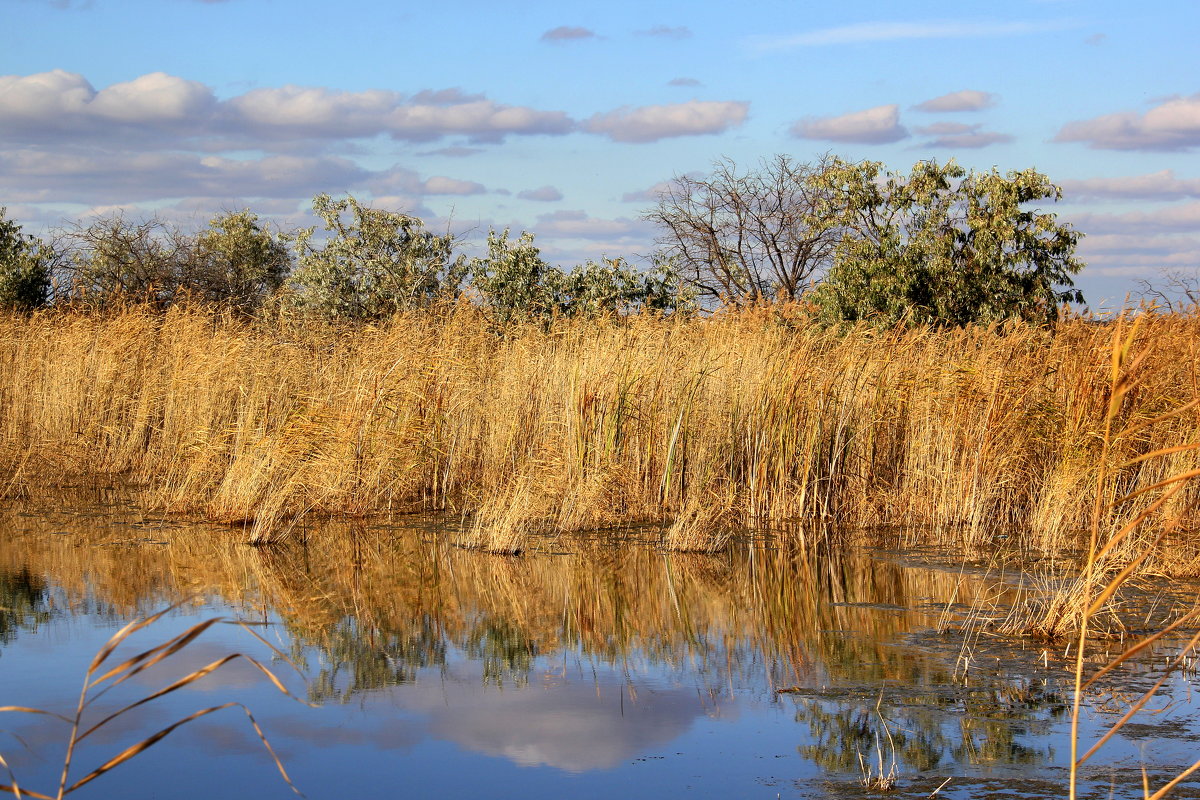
[(749, 418)]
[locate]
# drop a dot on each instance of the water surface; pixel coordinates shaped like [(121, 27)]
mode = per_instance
[(585, 669)]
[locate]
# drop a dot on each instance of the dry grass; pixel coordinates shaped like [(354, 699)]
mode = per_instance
[(102, 676), (742, 419)]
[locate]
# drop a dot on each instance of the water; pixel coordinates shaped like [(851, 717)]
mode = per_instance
[(585, 670)]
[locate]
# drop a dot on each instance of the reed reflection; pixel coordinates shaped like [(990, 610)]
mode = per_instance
[(585, 653)]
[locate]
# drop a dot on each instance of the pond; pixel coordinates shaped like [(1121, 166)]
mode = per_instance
[(592, 667)]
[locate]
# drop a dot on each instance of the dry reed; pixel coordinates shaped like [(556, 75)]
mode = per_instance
[(101, 676), (742, 419)]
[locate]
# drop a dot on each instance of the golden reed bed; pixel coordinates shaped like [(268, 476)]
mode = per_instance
[(744, 418)]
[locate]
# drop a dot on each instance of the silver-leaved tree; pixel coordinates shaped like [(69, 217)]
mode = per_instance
[(372, 264)]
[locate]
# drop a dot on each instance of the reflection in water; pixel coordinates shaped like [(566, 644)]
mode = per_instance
[(581, 657), (23, 602)]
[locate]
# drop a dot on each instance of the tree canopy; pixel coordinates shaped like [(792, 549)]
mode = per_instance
[(939, 245), (944, 245)]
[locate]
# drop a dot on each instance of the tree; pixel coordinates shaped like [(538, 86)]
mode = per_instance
[(740, 237), (236, 261), (946, 246), (514, 284), (114, 259), (374, 263), (24, 268), (614, 286)]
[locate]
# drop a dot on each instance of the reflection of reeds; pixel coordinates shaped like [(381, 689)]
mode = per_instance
[(757, 414), (101, 677)]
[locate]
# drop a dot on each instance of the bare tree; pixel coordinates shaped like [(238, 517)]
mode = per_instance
[(113, 259), (739, 237), (1175, 290)]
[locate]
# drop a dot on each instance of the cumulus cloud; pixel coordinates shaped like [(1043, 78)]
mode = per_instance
[(683, 82), (668, 32), (543, 194), (156, 97), (1161, 185), (85, 176), (62, 104), (648, 195), (1174, 218), (966, 100), (878, 125), (324, 113), (895, 31), (404, 181), (567, 33), (955, 135), (1136, 255), (1172, 125), (651, 123)]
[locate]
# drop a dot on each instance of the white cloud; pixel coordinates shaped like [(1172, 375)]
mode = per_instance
[(62, 104), (43, 98), (878, 125), (543, 194), (156, 97), (651, 123), (648, 195), (440, 184), (966, 100), (90, 176), (1172, 125), (682, 82), (579, 225), (955, 136), (567, 33), (1178, 217), (1161, 185), (896, 31)]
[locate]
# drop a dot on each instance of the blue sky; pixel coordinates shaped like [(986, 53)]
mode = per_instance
[(561, 118)]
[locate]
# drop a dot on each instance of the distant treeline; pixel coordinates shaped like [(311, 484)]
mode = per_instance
[(939, 245)]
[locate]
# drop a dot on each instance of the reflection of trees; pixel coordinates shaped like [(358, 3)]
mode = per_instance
[(974, 721), (23, 602), (373, 608), (841, 733), (506, 653), (356, 661)]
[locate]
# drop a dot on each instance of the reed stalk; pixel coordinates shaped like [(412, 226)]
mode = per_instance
[(756, 417)]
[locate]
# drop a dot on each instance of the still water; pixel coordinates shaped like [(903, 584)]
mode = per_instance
[(589, 669)]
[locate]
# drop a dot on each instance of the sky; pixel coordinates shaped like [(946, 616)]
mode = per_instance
[(563, 118)]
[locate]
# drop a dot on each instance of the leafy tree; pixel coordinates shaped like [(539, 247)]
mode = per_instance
[(744, 236), (512, 280), (25, 264), (946, 246), (515, 284), (614, 286), (237, 261), (374, 263)]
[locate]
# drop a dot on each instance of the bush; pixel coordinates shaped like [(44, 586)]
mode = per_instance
[(515, 284), (25, 264), (237, 261), (374, 264)]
